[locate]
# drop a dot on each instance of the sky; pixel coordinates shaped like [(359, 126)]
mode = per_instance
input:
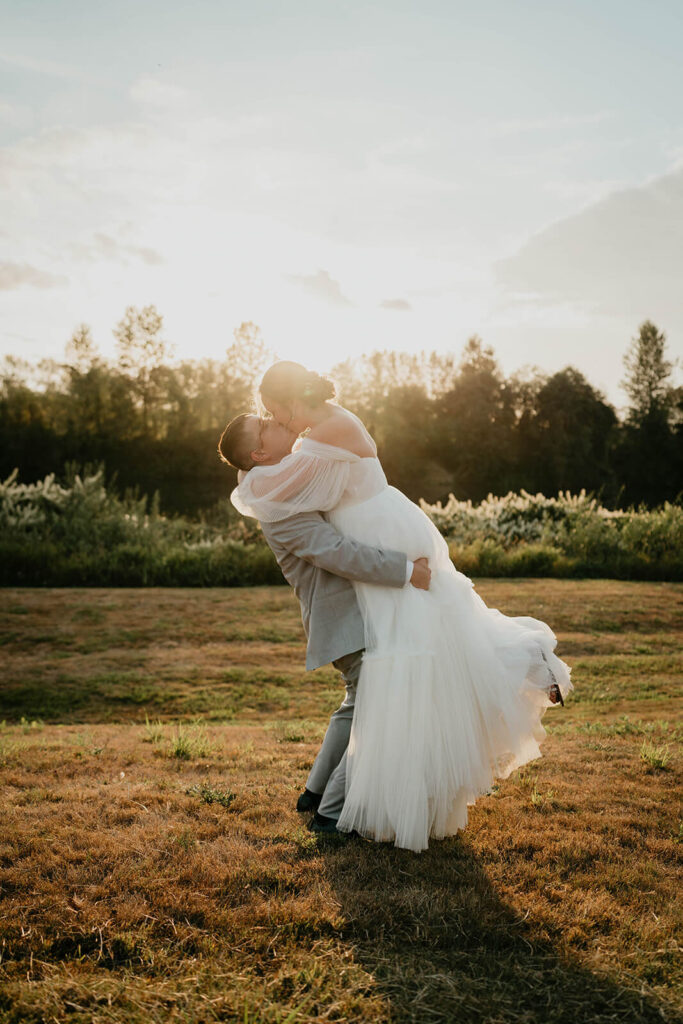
[(349, 176)]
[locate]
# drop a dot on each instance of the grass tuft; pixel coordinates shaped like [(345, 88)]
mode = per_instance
[(296, 731), (212, 795), (154, 731), (542, 801), (34, 725), (189, 742), (655, 757)]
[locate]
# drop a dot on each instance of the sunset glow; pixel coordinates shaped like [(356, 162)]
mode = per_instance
[(348, 180)]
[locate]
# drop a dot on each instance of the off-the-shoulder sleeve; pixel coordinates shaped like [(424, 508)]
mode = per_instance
[(305, 481)]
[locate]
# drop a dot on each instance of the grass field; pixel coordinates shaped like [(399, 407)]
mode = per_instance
[(153, 868)]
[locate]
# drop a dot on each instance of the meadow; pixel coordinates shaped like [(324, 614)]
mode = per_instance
[(153, 867)]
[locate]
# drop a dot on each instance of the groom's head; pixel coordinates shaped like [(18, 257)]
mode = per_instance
[(250, 441)]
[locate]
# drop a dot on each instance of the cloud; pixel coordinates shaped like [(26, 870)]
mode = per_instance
[(14, 275), (153, 92), (623, 255), (41, 66), (399, 304), (13, 114), (104, 247), (322, 286), (518, 125), (147, 255)]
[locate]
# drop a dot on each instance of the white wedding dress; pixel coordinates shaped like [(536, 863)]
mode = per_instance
[(451, 692)]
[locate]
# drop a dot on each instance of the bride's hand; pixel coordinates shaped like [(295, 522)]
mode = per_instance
[(422, 574)]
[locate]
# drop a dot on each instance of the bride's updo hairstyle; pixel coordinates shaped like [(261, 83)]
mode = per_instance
[(286, 382)]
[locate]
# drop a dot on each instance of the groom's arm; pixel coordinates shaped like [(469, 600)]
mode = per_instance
[(312, 538)]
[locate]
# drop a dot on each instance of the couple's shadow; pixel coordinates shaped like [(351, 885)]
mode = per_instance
[(441, 944)]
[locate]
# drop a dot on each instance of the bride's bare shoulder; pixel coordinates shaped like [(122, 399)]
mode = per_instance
[(344, 430)]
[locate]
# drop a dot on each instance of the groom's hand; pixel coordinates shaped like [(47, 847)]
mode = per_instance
[(422, 574)]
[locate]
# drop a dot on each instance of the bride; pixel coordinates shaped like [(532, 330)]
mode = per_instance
[(451, 692)]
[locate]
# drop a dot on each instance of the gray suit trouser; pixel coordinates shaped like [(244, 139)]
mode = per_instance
[(328, 774)]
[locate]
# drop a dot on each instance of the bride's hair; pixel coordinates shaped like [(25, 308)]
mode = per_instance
[(286, 382)]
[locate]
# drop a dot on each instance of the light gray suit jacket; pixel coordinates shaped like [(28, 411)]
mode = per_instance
[(319, 563)]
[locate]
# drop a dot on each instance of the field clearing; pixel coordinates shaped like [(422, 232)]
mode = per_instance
[(153, 868)]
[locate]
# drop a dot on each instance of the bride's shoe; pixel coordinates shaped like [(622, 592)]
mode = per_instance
[(555, 695), (554, 692)]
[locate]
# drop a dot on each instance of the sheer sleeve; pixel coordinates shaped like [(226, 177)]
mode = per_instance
[(311, 480)]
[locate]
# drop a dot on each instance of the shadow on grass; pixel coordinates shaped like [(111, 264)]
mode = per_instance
[(442, 946), (117, 697)]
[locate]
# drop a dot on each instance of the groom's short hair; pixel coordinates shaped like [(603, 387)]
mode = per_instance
[(237, 443)]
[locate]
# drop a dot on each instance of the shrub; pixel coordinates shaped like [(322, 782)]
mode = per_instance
[(571, 535), (78, 533)]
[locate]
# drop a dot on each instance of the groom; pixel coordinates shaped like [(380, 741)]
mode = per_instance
[(320, 563)]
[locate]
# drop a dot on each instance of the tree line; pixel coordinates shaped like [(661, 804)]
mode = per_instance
[(443, 423)]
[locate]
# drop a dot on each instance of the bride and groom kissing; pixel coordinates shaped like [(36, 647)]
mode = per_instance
[(443, 694)]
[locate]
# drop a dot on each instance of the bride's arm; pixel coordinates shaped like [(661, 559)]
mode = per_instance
[(302, 482), (290, 477)]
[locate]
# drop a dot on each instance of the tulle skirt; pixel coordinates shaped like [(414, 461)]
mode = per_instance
[(451, 692)]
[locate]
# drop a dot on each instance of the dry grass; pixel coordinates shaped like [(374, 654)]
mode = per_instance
[(139, 884)]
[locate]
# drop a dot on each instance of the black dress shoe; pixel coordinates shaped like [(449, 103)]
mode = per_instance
[(308, 801), (321, 823)]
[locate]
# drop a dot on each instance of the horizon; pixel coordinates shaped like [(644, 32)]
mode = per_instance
[(37, 380)]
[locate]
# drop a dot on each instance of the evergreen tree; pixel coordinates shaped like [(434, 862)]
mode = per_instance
[(564, 441), (646, 455), (647, 379), (473, 428)]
